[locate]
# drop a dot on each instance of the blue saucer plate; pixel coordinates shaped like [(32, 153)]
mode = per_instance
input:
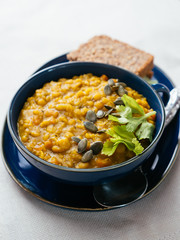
[(50, 190)]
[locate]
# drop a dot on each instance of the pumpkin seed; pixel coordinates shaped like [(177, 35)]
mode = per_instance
[(123, 84), (109, 111), (119, 101), (101, 131), (115, 114), (100, 114), (96, 147), (115, 88), (91, 127), (87, 156), (91, 116), (76, 139), (117, 84), (107, 90), (121, 91), (108, 107), (111, 82), (82, 145)]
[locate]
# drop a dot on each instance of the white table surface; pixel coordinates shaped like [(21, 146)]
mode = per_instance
[(32, 33)]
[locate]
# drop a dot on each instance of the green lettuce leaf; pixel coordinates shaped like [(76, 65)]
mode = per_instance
[(121, 120), (131, 102), (138, 147), (126, 114), (145, 131), (124, 111), (132, 122), (121, 135), (122, 132), (109, 148), (131, 129)]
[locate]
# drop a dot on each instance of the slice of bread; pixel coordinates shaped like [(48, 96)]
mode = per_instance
[(106, 50)]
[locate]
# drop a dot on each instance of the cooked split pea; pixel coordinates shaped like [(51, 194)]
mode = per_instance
[(56, 113)]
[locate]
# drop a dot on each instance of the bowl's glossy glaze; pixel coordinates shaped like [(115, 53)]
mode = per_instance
[(67, 70)]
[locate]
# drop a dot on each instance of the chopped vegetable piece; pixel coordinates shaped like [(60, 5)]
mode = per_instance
[(132, 122), (126, 115), (109, 148), (130, 128), (145, 131), (129, 101), (121, 135)]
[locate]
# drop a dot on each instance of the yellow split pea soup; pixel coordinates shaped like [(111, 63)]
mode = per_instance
[(56, 112)]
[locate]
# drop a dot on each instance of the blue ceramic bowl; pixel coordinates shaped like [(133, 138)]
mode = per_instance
[(67, 70)]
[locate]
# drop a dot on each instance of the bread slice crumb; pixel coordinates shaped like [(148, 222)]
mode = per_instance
[(104, 49)]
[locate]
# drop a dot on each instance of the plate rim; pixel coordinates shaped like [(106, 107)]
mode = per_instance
[(9, 170)]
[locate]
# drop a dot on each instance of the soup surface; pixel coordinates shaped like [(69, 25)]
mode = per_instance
[(57, 112)]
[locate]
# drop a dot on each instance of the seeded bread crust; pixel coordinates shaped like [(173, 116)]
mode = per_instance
[(103, 49)]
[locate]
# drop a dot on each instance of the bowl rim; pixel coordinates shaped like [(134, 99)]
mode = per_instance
[(81, 170)]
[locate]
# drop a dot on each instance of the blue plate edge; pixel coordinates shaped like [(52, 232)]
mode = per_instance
[(172, 161)]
